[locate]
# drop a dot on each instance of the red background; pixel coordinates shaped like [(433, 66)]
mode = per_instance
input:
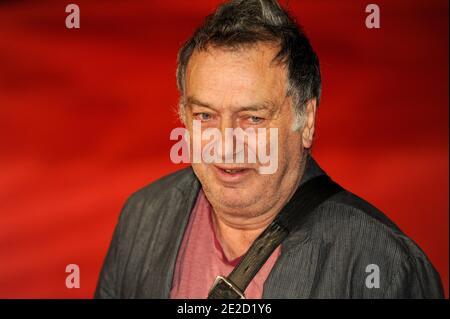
[(85, 117)]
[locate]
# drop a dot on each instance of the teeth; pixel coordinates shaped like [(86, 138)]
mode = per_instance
[(232, 171)]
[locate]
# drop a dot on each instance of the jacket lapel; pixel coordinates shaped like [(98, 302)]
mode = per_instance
[(295, 270), (158, 273)]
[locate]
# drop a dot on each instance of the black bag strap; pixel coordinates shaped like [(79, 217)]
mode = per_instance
[(306, 198)]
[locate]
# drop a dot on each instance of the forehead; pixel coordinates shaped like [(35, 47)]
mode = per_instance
[(232, 78)]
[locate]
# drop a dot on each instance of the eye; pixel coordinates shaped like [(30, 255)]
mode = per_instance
[(202, 116), (255, 119)]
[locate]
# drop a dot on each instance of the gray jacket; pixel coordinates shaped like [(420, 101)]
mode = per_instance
[(345, 245)]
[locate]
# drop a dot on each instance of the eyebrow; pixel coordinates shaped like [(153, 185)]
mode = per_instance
[(266, 105), (194, 100)]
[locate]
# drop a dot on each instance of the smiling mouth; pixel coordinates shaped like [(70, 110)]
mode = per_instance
[(232, 174), (233, 171)]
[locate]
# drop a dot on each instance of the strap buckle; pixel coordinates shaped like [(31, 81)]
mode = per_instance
[(224, 288)]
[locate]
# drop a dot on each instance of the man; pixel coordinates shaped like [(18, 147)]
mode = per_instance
[(251, 66)]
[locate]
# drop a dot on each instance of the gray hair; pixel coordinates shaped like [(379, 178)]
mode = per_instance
[(240, 23)]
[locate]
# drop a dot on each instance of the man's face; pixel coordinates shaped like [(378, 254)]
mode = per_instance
[(243, 88)]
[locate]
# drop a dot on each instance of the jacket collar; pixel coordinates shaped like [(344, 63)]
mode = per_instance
[(312, 169)]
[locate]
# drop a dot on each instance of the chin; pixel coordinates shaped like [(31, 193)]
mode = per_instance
[(235, 197)]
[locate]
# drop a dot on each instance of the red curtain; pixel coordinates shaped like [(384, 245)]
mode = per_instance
[(85, 118)]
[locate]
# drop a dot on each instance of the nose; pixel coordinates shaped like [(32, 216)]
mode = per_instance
[(227, 125)]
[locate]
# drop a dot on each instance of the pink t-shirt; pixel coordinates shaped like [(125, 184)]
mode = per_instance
[(201, 258)]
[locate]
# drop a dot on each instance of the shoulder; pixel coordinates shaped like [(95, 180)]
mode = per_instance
[(347, 217), (164, 194), (358, 238), (164, 186), (163, 190)]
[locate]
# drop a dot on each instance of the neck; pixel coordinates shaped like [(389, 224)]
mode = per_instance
[(237, 233)]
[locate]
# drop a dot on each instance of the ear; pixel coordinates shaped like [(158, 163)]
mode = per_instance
[(308, 129)]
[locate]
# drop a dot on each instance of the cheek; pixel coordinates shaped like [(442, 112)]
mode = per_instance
[(200, 168), (291, 146), (202, 173)]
